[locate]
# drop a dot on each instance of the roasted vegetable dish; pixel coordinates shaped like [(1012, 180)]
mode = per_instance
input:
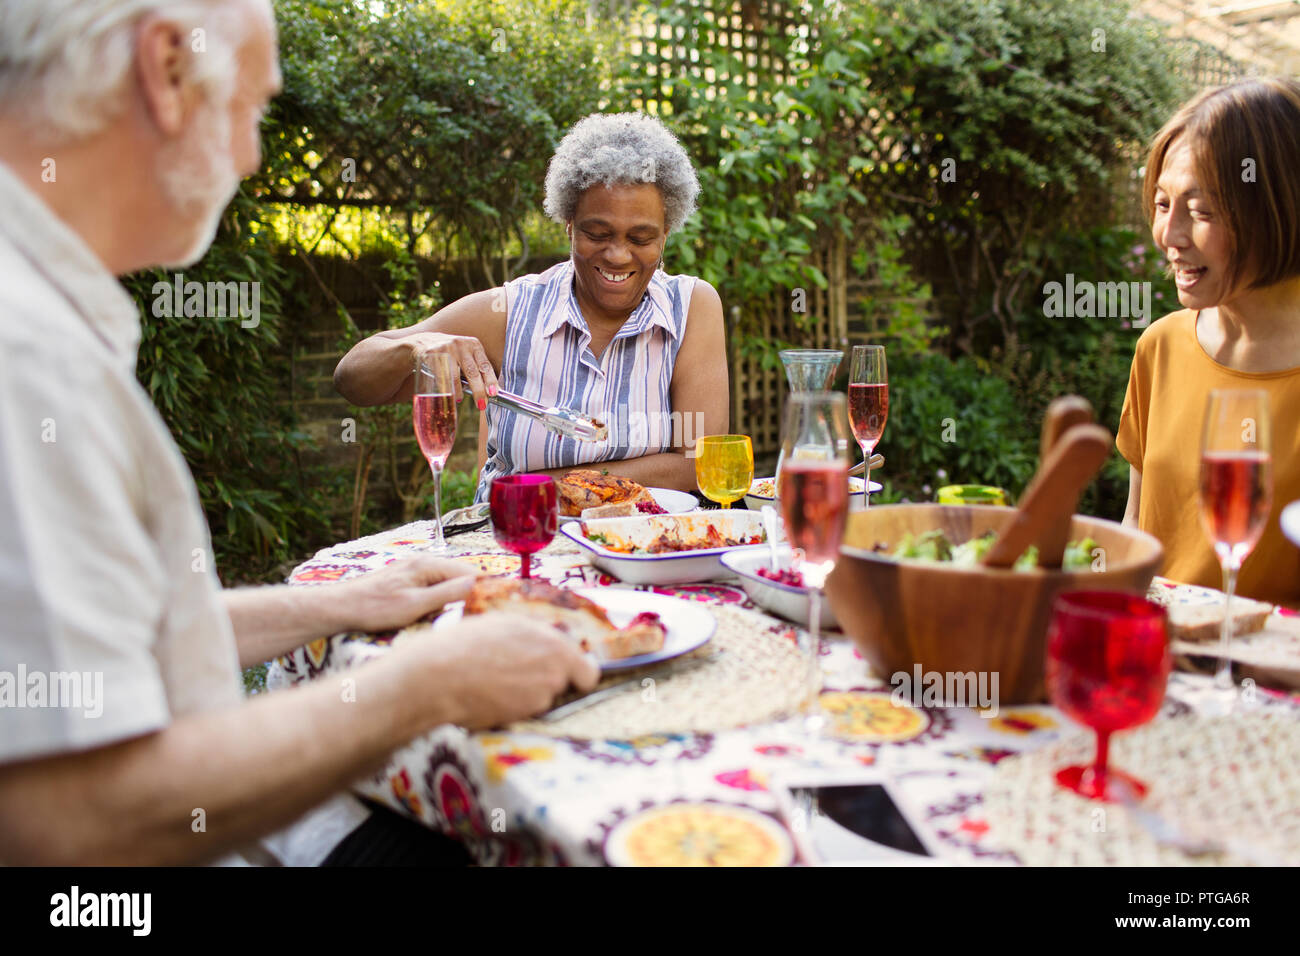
[(670, 541)]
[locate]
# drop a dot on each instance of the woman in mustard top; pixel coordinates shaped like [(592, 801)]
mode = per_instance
[(1222, 189)]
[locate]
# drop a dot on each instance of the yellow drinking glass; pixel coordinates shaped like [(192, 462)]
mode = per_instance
[(724, 467)]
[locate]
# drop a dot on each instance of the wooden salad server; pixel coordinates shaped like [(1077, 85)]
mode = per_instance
[(1062, 414), (1054, 492)]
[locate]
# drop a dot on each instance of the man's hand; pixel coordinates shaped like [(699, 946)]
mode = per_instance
[(403, 592), (270, 621), (495, 668)]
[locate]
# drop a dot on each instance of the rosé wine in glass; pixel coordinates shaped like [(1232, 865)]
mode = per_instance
[(433, 415), (816, 452), (868, 412), (868, 403), (1236, 496), (815, 505)]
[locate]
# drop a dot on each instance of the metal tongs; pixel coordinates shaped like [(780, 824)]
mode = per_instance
[(562, 421)]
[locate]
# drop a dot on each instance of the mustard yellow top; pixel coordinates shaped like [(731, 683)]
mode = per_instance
[(1160, 436)]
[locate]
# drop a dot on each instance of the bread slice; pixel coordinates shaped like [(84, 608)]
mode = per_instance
[(1203, 622), (623, 509)]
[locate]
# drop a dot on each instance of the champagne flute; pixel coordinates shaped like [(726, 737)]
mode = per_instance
[(724, 467), (814, 492), (525, 512), (868, 403), (433, 412), (1236, 491), (1107, 667)]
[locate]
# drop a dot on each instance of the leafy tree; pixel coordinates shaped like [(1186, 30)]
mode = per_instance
[(399, 124), (218, 382), (1005, 130), (441, 115)]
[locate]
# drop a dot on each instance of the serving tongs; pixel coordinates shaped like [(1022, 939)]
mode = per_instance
[(562, 421), (874, 462)]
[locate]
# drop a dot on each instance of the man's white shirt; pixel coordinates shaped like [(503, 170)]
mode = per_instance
[(106, 566)]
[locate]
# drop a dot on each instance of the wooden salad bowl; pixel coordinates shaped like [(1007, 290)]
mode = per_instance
[(959, 620)]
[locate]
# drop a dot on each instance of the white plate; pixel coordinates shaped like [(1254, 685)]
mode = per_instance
[(1291, 522), (687, 624), (679, 567), (758, 496), (790, 602), (672, 501)]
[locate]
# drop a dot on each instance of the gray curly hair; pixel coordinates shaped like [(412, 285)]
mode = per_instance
[(619, 149)]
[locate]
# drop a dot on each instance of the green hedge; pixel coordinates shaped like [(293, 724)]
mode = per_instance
[(450, 111)]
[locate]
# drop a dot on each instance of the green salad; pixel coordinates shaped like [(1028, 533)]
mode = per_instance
[(935, 546)]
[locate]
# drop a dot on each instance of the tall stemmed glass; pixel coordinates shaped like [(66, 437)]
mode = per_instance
[(814, 490), (433, 412), (868, 403), (1236, 491)]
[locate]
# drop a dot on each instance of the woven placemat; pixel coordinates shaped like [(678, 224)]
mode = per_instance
[(473, 542), (758, 674), (1233, 778)]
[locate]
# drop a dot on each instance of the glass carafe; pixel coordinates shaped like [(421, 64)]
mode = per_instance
[(810, 370)]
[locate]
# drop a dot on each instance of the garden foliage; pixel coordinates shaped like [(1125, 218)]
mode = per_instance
[(965, 153)]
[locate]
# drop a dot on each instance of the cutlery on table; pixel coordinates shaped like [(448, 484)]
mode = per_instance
[(1167, 833), (769, 526), (462, 520), (605, 693)]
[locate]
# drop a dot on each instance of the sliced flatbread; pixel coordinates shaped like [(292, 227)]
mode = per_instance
[(1204, 621)]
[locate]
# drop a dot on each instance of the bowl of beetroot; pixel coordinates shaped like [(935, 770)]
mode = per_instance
[(781, 592)]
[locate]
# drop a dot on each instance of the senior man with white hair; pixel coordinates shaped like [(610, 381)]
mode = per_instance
[(123, 134)]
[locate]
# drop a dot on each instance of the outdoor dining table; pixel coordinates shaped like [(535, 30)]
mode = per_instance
[(686, 797)]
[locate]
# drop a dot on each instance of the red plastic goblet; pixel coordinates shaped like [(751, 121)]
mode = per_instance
[(1107, 666), (525, 511)]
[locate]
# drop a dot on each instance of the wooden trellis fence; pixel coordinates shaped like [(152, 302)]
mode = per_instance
[(759, 31)]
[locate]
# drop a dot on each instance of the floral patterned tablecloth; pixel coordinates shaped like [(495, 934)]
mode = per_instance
[(679, 798)]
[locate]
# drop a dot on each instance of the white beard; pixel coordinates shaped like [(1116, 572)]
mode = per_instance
[(198, 178)]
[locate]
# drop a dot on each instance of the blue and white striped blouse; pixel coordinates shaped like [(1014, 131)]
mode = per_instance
[(547, 360)]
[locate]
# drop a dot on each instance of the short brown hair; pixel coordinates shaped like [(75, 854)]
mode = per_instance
[(1259, 120)]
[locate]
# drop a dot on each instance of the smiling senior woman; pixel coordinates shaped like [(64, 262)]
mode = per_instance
[(1223, 192), (607, 332)]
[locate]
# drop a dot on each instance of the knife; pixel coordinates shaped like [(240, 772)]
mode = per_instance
[(605, 693)]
